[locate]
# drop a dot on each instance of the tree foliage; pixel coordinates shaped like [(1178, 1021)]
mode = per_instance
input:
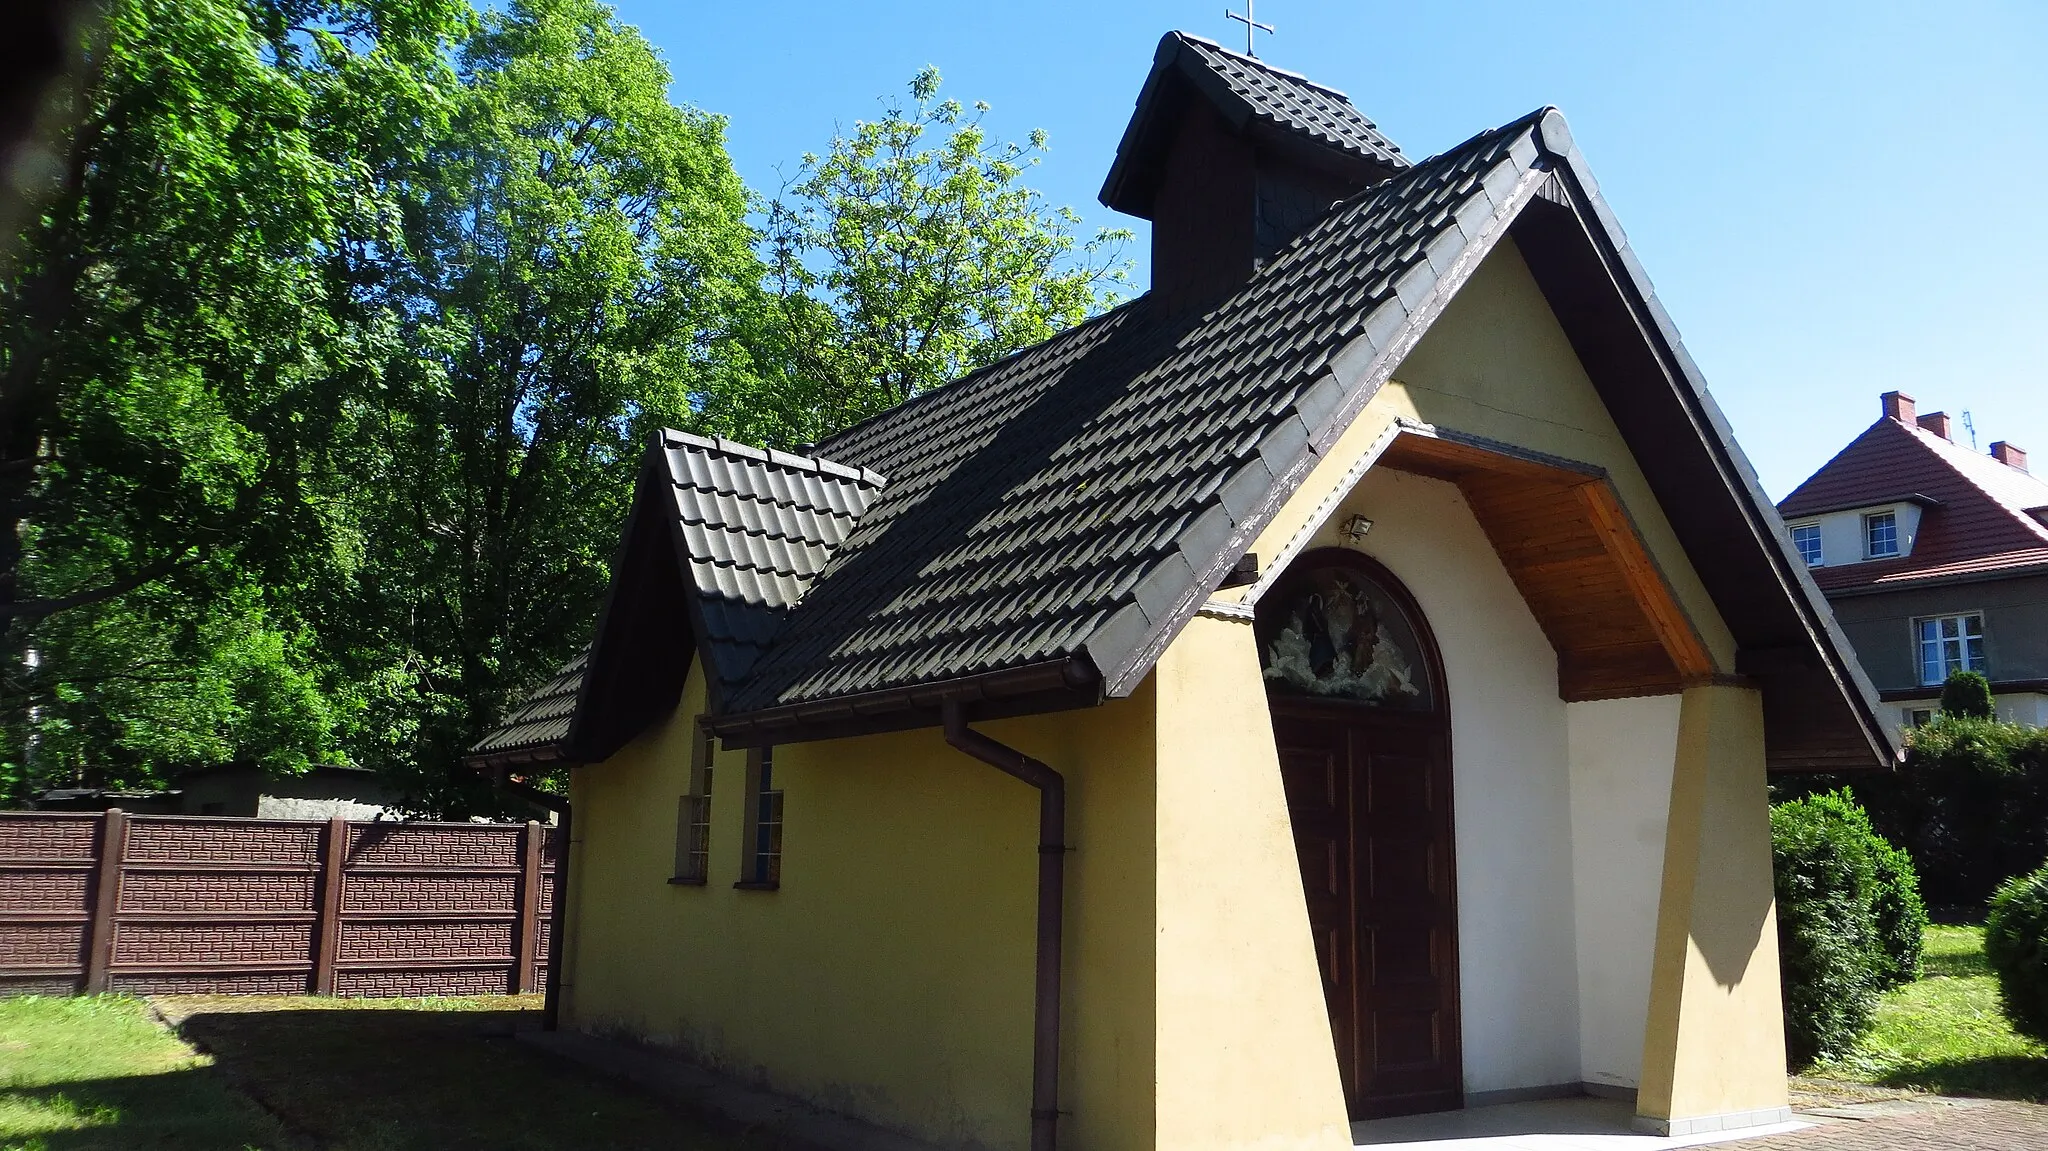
[(328, 354), (907, 254), (168, 333), (574, 249)]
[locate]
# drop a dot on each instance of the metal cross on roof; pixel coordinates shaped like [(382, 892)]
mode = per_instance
[(1251, 25)]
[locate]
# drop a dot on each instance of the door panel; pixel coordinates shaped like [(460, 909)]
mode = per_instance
[(1369, 796)]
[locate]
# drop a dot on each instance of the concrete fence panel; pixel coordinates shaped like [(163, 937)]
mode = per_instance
[(220, 905)]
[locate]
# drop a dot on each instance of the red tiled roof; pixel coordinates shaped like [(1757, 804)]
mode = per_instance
[(1982, 521)]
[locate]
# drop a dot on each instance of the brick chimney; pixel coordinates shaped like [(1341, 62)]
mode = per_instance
[(1937, 422), (2010, 456), (1898, 406)]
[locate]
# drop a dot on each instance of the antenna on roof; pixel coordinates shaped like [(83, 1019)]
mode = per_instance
[(1251, 25), (1970, 426)]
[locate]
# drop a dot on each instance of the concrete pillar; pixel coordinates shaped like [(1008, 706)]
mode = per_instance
[(1714, 1044)]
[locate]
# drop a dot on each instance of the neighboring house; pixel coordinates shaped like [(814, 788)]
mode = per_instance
[(1935, 558), (1388, 637), (321, 792)]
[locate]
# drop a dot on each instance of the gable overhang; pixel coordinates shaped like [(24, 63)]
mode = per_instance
[(1572, 550), (1821, 712)]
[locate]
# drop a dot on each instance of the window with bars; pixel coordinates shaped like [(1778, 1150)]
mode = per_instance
[(762, 864), (1949, 644), (1881, 534), (1806, 537), (693, 817)]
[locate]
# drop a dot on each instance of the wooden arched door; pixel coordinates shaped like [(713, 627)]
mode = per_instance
[(1360, 718)]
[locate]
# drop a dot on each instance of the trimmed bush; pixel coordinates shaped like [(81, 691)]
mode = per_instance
[(1831, 963), (1967, 695), (1901, 916), (2016, 944)]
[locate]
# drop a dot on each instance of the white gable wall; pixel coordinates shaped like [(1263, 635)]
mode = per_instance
[(1622, 754), (1511, 787)]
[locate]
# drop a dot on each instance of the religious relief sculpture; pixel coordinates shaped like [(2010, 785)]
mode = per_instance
[(1340, 637)]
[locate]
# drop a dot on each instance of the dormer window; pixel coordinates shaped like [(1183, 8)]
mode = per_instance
[(1806, 537), (1880, 535)]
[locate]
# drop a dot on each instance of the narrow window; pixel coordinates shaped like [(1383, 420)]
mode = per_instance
[(1806, 537), (1949, 644), (693, 816), (1881, 535), (761, 865)]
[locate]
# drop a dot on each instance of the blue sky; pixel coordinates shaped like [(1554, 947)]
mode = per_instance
[(1834, 199)]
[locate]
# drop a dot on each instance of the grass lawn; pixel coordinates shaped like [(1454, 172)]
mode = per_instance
[(103, 1073), (1944, 1033), (306, 1074)]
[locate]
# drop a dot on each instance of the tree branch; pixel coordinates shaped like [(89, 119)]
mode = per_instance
[(42, 608)]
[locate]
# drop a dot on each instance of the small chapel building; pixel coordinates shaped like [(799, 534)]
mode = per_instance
[(1338, 683)]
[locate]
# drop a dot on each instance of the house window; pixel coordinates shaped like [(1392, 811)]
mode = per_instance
[(693, 816), (1949, 644), (761, 865), (1881, 534), (1806, 537), (1919, 716)]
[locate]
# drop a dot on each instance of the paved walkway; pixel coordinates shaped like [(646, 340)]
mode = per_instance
[(1916, 1123), (1934, 1125)]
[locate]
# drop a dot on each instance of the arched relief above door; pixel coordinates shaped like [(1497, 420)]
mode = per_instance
[(1335, 627)]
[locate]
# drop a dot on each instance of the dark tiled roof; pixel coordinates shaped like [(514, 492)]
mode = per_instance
[(542, 719), (1294, 102), (1286, 109), (1981, 522), (1080, 499), (1070, 498), (758, 527)]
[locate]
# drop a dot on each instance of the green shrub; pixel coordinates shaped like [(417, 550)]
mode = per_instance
[(1967, 695), (1901, 916), (1831, 962), (2016, 944)]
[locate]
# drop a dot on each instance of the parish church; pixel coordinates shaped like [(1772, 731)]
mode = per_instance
[(1338, 683)]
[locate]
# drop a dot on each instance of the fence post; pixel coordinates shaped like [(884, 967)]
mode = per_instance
[(106, 901), (528, 948), (327, 935)]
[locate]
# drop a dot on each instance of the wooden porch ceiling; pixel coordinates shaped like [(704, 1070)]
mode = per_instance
[(1573, 552)]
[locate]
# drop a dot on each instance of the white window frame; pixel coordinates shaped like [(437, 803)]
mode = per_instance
[(1870, 521), (1945, 653), (1813, 559)]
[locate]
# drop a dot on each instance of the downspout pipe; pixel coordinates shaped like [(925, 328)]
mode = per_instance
[(1052, 867)]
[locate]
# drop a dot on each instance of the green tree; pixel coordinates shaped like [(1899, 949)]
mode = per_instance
[(574, 249), (907, 255), (170, 325), (1967, 694)]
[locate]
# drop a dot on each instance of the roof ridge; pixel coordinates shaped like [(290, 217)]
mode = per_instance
[(1257, 62), (814, 464)]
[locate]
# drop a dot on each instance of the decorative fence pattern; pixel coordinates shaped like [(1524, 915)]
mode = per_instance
[(164, 904)]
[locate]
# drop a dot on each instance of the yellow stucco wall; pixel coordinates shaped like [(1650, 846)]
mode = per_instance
[(1245, 1057), (890, 976), (1714, 1045)]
